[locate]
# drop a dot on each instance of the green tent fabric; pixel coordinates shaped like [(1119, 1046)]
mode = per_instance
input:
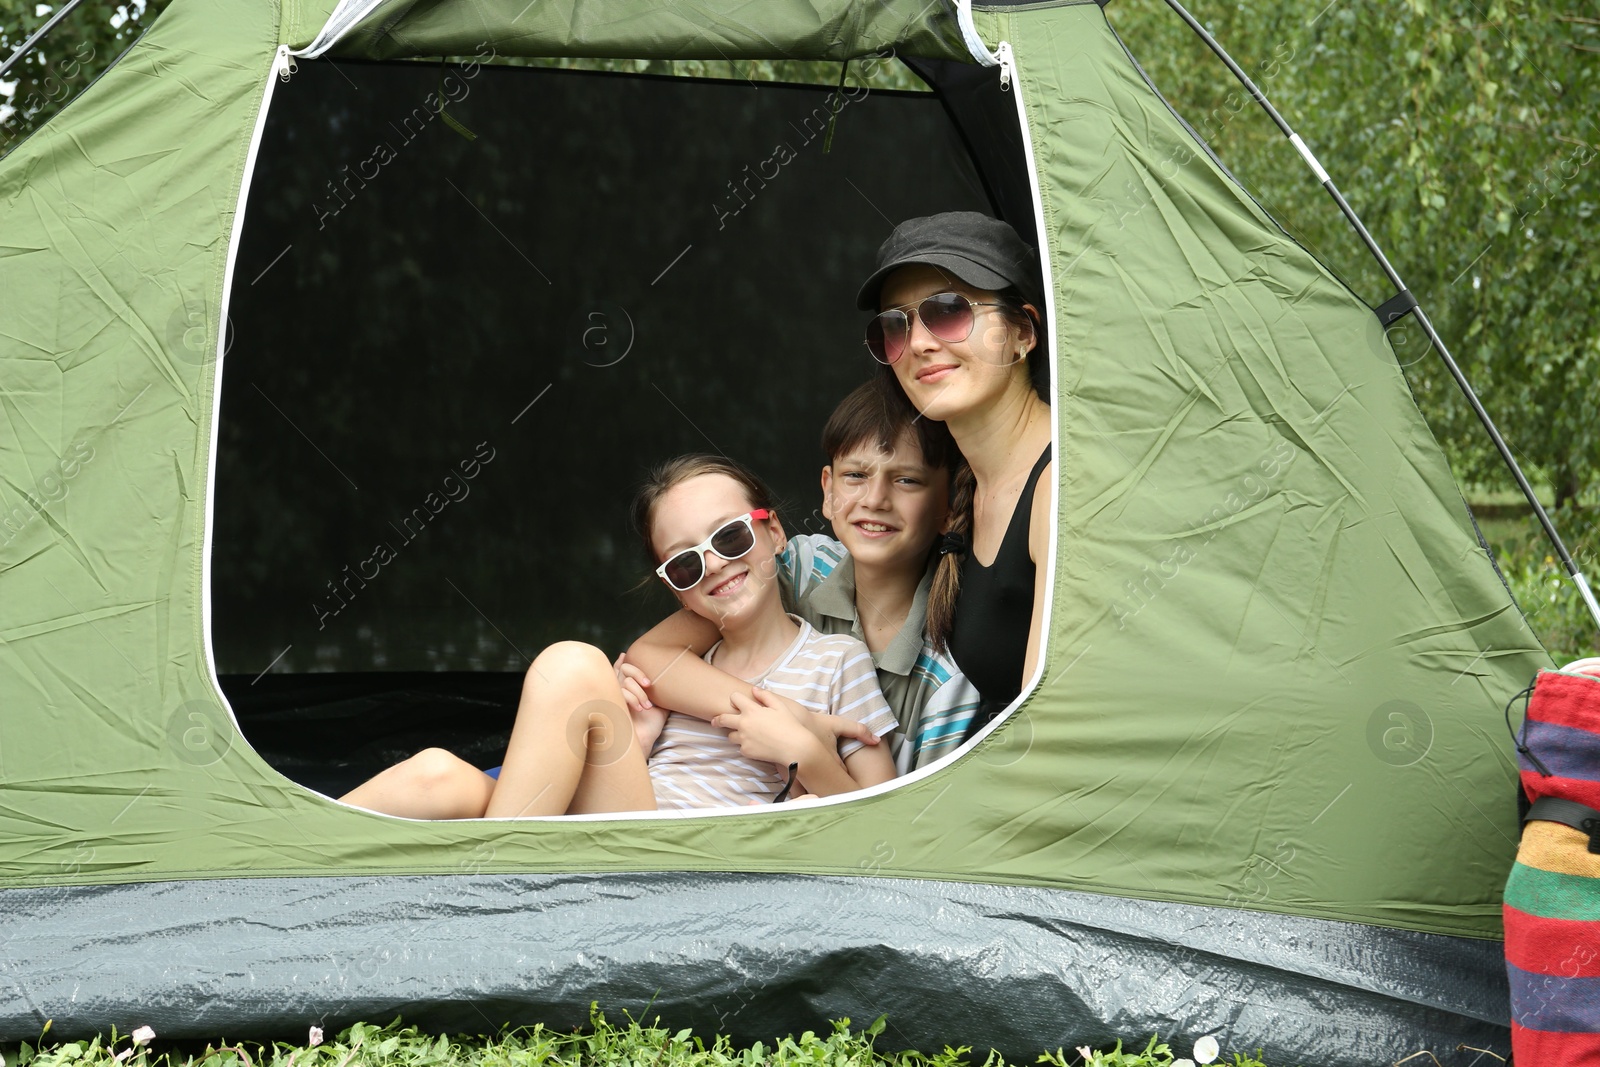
[(1277, 651)]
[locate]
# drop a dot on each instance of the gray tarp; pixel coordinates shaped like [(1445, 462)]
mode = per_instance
[(751, 955)]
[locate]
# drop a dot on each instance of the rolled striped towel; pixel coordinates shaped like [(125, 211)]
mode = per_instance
[(1552, 901)]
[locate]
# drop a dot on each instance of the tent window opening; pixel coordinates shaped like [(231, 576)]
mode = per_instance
[(461, 334)]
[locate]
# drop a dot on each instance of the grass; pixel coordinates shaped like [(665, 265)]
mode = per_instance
[(602, 1044)]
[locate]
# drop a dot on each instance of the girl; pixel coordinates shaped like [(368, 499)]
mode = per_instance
[(958, 299), (709, 525)]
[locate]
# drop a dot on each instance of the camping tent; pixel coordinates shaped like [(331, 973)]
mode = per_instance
[(1259, 787)]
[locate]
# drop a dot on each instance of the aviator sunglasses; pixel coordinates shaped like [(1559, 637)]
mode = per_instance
[(948, 316), (733, 539)]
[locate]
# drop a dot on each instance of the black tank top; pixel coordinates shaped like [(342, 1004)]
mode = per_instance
[(994, 611)]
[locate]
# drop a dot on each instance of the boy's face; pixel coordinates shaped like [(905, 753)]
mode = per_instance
[(886, 506)]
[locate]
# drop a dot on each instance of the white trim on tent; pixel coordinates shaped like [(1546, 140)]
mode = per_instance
[(969, 34), (343, 19), (1003, 57), (350, 12), (282, 67)]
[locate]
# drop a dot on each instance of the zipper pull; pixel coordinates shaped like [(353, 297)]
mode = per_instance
[(1002, 53), (285, 64)]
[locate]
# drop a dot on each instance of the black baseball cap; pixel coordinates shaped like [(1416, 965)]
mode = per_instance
[(981, 251)]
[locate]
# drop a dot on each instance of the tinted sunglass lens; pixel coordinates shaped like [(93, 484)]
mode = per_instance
[(948, 316), (886, 336), (684, 570), (733, 540)]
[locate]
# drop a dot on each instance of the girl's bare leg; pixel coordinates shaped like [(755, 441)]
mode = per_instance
[(573, 748), (433, 784)]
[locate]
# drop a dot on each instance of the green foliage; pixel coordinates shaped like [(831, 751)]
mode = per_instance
[(602, 1044), (62, 65), (871, 72), (1539, 582), (1156, 1053), (1462, 135)]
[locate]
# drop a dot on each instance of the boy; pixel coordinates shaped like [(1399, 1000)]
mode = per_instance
[(885, 490)]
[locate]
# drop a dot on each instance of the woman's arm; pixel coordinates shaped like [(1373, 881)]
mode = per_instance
[(1041, 528)]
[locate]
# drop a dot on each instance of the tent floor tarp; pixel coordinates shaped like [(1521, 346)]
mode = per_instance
[(1016, 968)]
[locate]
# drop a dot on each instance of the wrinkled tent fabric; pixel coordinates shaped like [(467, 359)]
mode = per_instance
[(1271, 693)]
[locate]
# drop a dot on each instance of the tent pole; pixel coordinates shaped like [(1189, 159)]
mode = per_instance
[(27, 46), (1406, 302)]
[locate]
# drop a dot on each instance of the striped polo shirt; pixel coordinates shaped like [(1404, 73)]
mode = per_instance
[(694, 765), (932, 700)]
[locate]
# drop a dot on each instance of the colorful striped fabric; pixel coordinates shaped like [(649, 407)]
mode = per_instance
[(1552, 902)]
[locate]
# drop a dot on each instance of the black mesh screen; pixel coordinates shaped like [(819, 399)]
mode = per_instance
[(453, 358)]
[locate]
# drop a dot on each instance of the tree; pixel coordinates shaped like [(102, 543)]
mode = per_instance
[(1463, 136), (87, 41)]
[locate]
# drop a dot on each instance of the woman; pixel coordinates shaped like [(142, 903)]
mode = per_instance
[(959, 328)]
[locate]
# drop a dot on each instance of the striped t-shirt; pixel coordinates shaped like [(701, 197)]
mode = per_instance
[(694, 765), (927, 692)]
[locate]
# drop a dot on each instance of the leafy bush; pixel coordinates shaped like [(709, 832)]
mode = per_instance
[(603, 1044), (1540, 583)]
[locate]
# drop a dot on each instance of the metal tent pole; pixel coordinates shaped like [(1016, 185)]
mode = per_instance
[(1400, 304), (27, 46)]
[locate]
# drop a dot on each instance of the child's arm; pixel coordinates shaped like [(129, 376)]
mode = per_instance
[(670, 656), (764, 729), (854, 696), (871, 765), (678, 678)]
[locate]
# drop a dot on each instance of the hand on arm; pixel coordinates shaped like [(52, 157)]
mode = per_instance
[(828, 729), (668, 670), (669, 655), (872, 765), (766, 730), (648, 718)]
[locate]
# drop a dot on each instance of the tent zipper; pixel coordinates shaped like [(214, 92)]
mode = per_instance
[(1003, 57), (283, 68)]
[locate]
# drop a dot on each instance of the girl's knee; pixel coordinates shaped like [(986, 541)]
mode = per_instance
[(435, 769), (566, 660)]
